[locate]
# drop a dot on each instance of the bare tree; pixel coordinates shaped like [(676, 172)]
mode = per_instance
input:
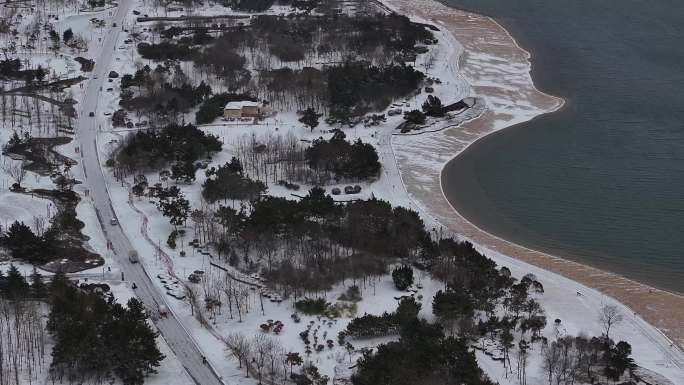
[(609, 316), (262, 345), (550, 359), (16, 170), (241, 348), (39, 225), (191, 292)]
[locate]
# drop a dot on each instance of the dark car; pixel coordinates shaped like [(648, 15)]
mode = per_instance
[(91, 114)]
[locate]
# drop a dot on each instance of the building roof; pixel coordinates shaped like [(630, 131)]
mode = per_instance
[(240, 104)]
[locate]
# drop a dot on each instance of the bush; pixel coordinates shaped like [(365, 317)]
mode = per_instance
[(171, 240), (415, 117), (312, 306), (433, 107), (402, 277), (353, 294), (166, 51)]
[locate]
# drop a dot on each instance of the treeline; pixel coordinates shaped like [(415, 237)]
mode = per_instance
[(11, 69), (319, 47), (165, 50), (422, 355), (344, 160), (96, 339), (24, 245), (61, 239), (155, 149), (375, 36), (309, 245), (356, 88), (23, 339), (347, 90)]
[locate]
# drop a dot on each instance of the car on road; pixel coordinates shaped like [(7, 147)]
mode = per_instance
[(163, 311), (133, 256), (91, 114), (113, 222)]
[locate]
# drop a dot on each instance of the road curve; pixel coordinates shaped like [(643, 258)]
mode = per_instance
[(176, 336)]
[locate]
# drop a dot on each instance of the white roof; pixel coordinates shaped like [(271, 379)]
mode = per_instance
[(240, 104)]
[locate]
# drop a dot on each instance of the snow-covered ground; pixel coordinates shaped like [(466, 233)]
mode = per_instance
[(148, 230), (579, 314)]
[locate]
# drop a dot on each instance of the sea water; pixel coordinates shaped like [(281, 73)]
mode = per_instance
[(601, 181)]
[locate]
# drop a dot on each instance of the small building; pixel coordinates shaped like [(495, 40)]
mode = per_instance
[(242, 109)]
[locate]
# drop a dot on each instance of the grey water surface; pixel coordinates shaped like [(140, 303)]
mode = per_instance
[(601, 181)]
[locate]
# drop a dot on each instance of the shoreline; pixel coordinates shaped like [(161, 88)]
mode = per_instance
[(569, 257), (517, 101)]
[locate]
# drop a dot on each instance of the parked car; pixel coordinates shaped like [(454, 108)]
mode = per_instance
[(91, 114), (348, 189), (336, 191), (113, 222)]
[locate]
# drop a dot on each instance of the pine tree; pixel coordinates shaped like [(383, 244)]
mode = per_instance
[(16, 283), (68, 35), (37, 285), (310, 118)]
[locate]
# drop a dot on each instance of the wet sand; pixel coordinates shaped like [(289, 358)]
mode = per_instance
[(498, 71)]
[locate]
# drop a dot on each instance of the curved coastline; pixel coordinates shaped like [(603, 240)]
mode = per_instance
[(656, 306)]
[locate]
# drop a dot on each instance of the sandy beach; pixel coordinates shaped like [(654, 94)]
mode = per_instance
[(497, 70)]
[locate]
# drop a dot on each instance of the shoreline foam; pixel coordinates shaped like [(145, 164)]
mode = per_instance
[(422, 162)]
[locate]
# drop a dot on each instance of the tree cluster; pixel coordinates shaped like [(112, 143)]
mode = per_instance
[(12, 69), (161, 93), (52, 243), (229, 182), (422, 355), (96, 339), (356, 88), (154, 149), (580, 359), (402, 277), (344, 160)]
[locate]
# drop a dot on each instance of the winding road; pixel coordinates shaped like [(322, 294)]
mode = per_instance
[(176, 336)]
